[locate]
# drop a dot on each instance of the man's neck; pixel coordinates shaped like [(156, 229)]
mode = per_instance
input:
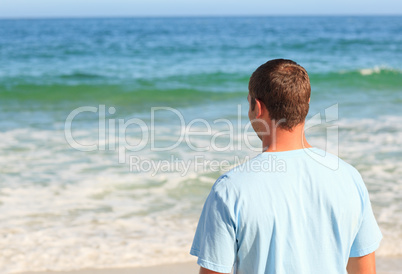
[(285, 140)]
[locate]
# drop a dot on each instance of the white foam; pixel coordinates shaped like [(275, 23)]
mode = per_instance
[(370, 71), (377, 70), (63, 209)]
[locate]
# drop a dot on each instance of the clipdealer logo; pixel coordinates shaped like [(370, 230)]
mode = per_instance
[(113, 133), (200, 164)]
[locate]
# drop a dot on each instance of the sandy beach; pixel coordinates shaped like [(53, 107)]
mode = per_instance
[(384, 266), (181, 268)]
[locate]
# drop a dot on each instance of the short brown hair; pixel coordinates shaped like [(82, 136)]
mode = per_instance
[(283, 86)]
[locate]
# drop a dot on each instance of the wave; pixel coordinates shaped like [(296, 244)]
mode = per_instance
[(53, 96), (365, 78), (178, 88), (81, 75)]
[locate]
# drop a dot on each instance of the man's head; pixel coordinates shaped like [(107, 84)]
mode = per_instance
[(282, 89)]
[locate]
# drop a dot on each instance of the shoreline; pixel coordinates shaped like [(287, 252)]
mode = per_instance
[(385, 265), (177, 268)]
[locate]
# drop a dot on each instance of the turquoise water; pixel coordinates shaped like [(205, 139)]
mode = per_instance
[(60, 205)]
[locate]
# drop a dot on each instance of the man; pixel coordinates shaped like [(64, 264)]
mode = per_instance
[(306, 218)]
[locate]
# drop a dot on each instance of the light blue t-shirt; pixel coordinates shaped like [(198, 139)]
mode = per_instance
[(286, 212)]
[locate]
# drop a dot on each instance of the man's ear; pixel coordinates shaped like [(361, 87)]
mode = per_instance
[(259, 108)]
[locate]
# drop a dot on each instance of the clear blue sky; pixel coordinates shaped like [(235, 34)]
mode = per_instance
[(84, 8)]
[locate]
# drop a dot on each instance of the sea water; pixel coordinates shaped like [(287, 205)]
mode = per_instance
[(90, 201)]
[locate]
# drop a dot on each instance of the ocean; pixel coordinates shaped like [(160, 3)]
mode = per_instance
[(120, 187)]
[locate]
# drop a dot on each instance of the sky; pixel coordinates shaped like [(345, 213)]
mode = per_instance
[(118, 8)]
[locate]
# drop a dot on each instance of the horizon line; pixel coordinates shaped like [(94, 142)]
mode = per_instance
[(192, 16)]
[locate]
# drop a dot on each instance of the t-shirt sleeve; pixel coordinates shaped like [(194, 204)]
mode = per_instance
[(215, 239), (369, 236)]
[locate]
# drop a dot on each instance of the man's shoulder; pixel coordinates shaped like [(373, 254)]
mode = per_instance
[(342, 171), (329, 162), (237, 175), (343, 166)]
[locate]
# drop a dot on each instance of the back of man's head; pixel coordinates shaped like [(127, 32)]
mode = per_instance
[(283, 87)]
